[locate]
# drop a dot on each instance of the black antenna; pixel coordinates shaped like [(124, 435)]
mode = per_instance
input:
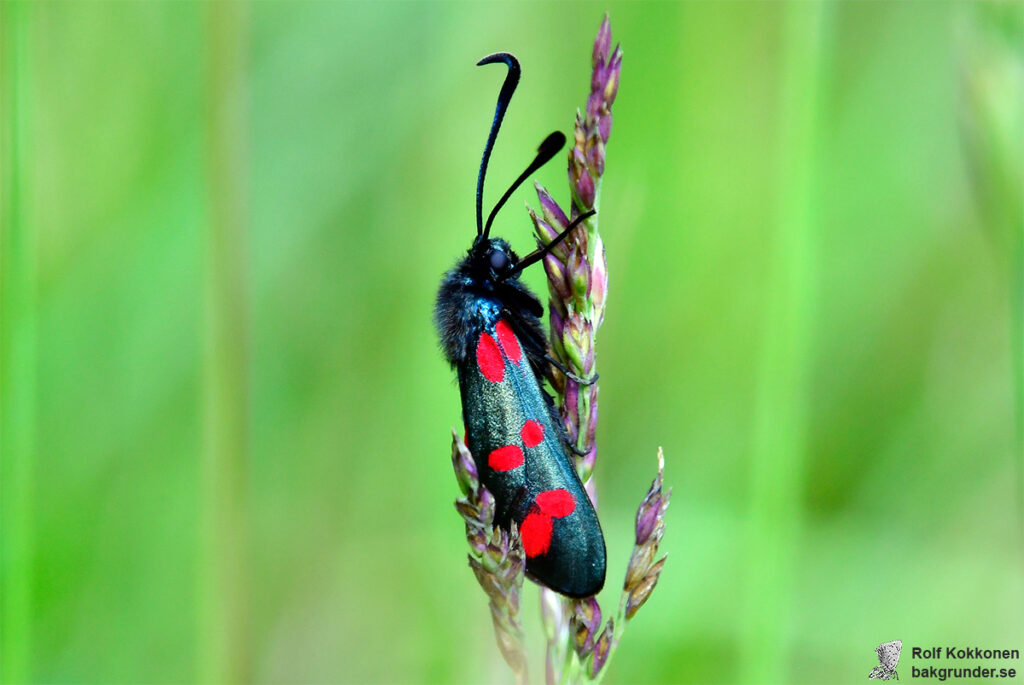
[(507, 88), (548, 149), (539, 253)]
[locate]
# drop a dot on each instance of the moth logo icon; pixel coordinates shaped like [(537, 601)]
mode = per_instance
[(888, 656)]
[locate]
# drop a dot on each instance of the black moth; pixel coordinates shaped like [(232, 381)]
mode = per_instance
[(489, 324)]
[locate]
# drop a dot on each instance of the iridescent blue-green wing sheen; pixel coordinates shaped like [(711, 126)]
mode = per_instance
[(522, 460)]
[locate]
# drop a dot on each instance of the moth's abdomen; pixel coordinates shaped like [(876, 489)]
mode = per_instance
[(522, 461)]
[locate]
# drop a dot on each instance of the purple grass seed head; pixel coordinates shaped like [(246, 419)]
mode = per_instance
[(602, 43), (553, 214), (602, 648)]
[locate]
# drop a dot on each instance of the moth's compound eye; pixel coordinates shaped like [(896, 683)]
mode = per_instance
[(499, 261)]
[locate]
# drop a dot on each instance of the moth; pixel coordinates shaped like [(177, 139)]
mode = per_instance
[(489, 325)]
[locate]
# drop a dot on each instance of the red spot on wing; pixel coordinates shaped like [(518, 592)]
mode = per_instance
[(532, 433), (508, 341), (537, 527), (556, 503), (505, 458), (536, 534), (488, 358)]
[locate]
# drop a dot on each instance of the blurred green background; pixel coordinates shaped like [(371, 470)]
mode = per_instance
[(225, 419)]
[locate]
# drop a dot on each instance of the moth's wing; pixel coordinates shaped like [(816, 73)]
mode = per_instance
[(575, 562), (494, 415), (522, 459), (877, 674)]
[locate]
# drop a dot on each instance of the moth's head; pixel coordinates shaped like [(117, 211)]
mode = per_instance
[(493, 258)]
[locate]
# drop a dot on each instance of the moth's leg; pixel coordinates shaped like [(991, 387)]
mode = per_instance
[(567, 439), (556, 419), (569, 374), (576, 450)]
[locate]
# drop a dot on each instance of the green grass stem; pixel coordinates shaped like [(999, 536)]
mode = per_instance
[(223, 645), (18, 336), (993, 118), (782, 402), (1017, 350)]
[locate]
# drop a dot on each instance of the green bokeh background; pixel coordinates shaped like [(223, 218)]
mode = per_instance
[(813, 295)]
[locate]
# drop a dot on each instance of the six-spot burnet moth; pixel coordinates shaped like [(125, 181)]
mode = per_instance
[(489, 324)]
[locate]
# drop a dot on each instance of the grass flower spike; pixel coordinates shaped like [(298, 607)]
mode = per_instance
[(642, 572), (496, 557), (577, 273), (578, 269)]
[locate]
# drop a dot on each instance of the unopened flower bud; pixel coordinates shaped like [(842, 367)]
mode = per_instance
[(602, 43)]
